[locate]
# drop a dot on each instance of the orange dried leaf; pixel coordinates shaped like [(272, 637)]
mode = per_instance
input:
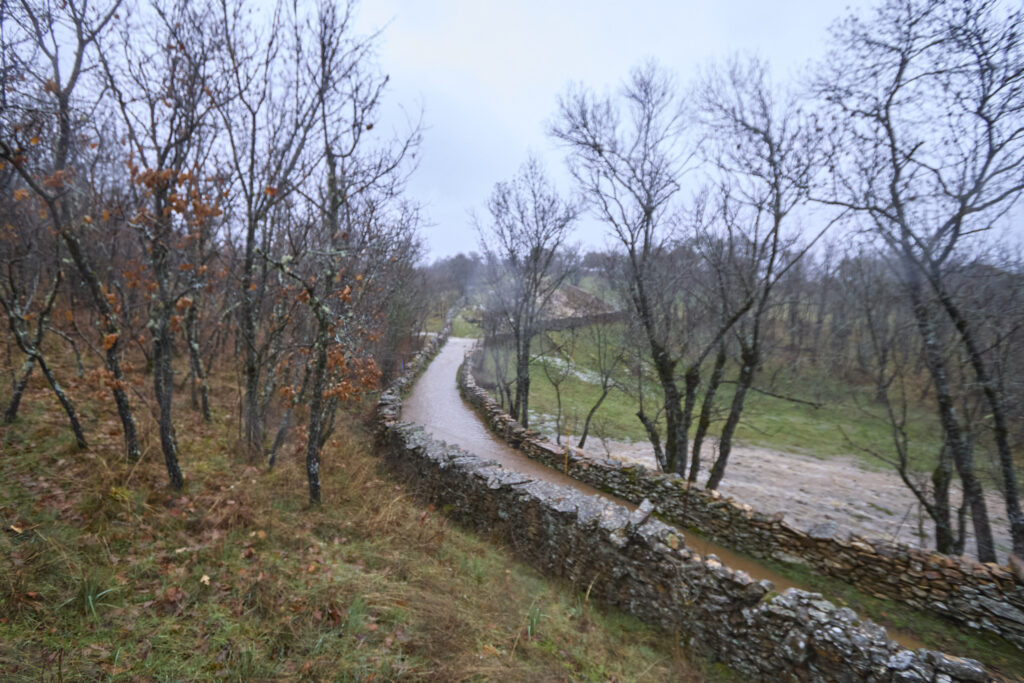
[(110, 340)]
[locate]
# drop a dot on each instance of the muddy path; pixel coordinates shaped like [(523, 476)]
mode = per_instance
[(839, 492), (435, 404)]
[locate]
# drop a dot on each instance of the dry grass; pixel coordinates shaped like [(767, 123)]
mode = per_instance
[(105, 573)]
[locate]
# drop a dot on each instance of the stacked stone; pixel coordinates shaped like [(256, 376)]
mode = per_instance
[(639, 564), (984, 597), (643, 566)]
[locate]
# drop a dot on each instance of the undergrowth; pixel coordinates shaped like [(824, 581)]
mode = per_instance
[(107, 574)]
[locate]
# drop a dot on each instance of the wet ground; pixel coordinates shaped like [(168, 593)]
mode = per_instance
[(435, 403), (811, 491)]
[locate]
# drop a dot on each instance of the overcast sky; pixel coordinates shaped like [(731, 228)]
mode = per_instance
[(487, 76)]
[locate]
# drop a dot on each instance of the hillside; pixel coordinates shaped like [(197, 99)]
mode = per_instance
[(104, 572)]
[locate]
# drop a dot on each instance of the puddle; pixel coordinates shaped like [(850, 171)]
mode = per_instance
[(435, 403)]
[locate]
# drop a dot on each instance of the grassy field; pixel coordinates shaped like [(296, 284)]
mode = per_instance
[(463, 328), (794, 427), (106, 574), (844, 422)]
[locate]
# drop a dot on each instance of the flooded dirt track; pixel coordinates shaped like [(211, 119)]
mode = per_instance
[(811, 491), (435, 404)]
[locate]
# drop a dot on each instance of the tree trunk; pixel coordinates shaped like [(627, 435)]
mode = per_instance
[(31, 349), (945, 540), (522, 401), (113, 334), (691, 383), (749, 359), (962, 450), (282, 433), (655, 439), (316, 403), (253, 423), (664, 367), (195, 361), (590, 415), (558, 413), (11, 414), (251, 402), (65, 401), (704, 421), (1011, 495), (163, 387)]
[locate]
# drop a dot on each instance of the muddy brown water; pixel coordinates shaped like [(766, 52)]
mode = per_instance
[(436, 405)]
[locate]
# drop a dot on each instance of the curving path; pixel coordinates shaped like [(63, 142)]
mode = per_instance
[(435, 403)]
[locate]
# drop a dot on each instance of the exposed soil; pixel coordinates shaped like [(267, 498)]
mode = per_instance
[(811, 491)]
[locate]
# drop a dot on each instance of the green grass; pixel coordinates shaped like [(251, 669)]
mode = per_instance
[(845, 423), (434, 323), (463, 328), (106, 574)]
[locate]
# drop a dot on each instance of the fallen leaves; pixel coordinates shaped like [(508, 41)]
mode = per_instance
[(171, 602)]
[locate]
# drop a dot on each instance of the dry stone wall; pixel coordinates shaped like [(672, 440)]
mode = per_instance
[(637, 563), (980, 596)]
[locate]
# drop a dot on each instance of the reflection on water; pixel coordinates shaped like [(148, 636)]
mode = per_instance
[(435, 404)]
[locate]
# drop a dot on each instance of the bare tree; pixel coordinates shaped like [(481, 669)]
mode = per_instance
[(766, 156), (874, 295), (270, 92), (556, 362), (605, 339), (29, 342), (929, 98), (628, 155), (164, 98), (528, 259), (358, 226), (51, 47)]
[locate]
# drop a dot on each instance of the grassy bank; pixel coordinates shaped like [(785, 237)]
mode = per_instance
[(106, 574), (841, 422)]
